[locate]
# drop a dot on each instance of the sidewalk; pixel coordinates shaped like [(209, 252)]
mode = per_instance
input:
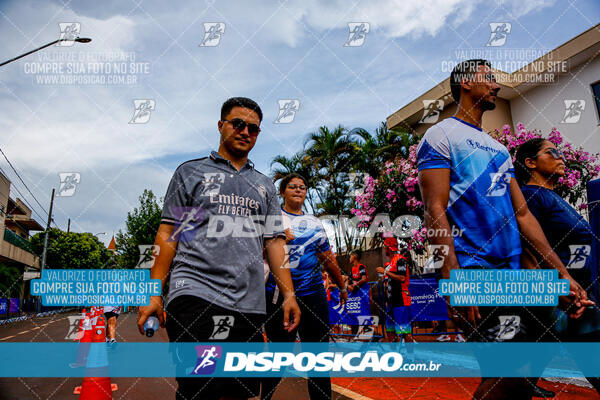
[(442, 388)]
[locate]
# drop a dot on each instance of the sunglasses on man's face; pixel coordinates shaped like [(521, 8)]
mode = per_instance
[(239, 125), (556, 154)]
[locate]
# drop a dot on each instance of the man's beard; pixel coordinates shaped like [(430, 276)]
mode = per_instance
[(486, 105)]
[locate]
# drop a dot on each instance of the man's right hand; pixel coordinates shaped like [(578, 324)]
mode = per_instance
[(291, 313), (343, 297), (289, 235), (155, 307), (577, 301)]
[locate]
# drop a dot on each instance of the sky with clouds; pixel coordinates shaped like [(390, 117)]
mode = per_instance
[(269, 51)]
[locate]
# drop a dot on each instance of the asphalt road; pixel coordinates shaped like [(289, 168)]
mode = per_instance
[(55, 329)]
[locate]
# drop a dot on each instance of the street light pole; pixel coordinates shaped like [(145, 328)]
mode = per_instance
[(47, 231), (78, 40)]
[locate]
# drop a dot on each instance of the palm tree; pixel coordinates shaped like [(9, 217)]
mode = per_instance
[(329, 153), (371, 152)]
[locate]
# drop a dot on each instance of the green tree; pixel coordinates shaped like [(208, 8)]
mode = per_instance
[(329, 153), (372, 151), (10, 281), (71, 250), (141, 227)]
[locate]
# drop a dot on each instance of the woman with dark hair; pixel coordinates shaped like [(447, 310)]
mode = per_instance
[(308, 248), (538, 166)]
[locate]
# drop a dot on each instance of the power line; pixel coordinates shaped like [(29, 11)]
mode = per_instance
[(24, 199), (21, 179)]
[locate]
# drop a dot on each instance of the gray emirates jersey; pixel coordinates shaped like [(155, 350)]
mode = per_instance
[(221, 217)]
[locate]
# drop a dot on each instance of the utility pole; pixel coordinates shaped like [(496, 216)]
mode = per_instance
[(47, 231), (69, 226)]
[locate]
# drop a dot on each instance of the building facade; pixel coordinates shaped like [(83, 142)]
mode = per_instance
[(15, 227), (558, 90)]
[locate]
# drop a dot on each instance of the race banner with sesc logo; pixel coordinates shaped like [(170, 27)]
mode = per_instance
[(356, 306), (426, 303)]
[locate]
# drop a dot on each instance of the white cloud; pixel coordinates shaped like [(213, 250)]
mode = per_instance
[(51, 129)]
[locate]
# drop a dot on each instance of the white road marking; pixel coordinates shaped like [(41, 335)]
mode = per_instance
[(348, 393), (32, 329)]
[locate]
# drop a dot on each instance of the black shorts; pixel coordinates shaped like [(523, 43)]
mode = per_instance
[(110, 314), (190, 319), (512, 324)]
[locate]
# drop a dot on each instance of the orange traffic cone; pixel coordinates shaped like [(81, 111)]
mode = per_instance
[(96, 385), (84, 343)]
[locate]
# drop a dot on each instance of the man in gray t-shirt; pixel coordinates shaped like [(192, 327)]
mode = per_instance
[(218, 216)]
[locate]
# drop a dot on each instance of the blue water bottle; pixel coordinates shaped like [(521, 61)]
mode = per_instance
[(151, 325)]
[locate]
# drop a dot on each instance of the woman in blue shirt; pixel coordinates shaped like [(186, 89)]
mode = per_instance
[(538, 166), (307, 250)]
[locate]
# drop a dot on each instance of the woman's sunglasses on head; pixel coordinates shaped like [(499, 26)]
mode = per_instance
[(239, 125)]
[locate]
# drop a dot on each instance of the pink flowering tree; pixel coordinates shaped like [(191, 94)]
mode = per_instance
[(580, 166), (396, 192)]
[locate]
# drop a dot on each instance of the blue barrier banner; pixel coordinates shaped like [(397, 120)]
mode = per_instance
[(220, 359), (356, 306), (3, 306), (13, 305), (426, 302)]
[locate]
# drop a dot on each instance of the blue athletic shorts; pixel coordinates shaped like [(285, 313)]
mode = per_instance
[(402, 319)]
